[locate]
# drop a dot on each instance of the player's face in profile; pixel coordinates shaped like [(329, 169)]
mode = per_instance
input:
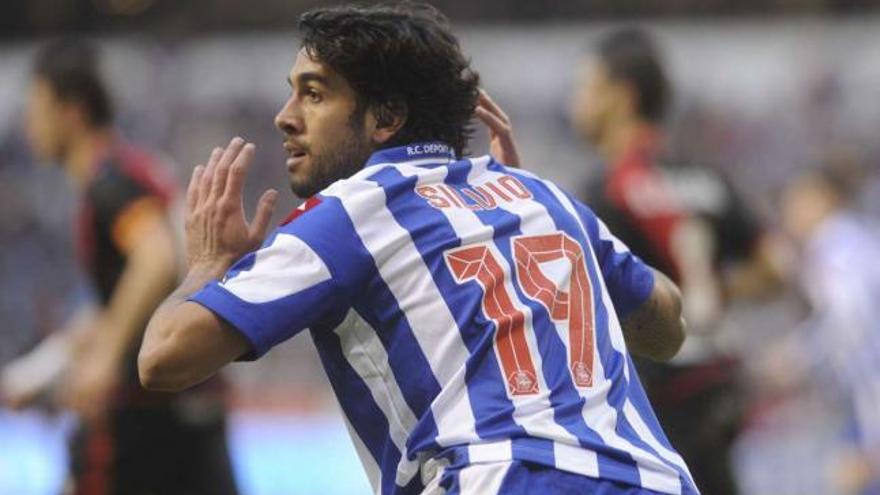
[(594, 100), (43, 117), (324, 138), (804, 203)]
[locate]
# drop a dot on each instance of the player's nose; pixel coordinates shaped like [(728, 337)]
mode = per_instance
[(287, 120)]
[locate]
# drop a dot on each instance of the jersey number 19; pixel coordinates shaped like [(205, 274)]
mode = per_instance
[(573, 306)]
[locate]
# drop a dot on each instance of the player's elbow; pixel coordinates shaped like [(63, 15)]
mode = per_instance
[(157, 372), (656, 330), (152, 375), (670, 343)]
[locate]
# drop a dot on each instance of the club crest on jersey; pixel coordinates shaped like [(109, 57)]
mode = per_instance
[(521, 382), (581, 374), (486, 196)]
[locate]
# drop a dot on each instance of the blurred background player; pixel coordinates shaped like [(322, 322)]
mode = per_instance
[(684, 219), (839, 277), (129, 441)]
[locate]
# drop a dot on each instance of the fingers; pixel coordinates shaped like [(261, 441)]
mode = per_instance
[(207, 175), (221, 172), (192, 190), (238, 172), (492, 121), (489, 105), (265, 208)]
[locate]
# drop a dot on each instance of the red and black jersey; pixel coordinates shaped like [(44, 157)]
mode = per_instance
[(635, 202), (153, 442), (643, 198), (124, 182)]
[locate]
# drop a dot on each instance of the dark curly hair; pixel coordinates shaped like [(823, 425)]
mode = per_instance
[(400, 59), (630, 54), (70, 67)]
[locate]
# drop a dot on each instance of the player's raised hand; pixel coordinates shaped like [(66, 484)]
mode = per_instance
[(217, 232), (501, 143)]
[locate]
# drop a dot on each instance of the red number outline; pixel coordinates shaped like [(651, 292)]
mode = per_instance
[(480, 264), (574, 305)]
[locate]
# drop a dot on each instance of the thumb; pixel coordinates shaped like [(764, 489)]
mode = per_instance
[(265, 208)]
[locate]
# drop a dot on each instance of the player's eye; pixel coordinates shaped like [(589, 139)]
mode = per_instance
[(313, 95)]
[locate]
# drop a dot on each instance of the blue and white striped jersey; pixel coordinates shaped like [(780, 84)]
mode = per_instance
[(463, 311)]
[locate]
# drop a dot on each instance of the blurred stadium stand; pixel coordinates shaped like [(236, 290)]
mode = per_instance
[(42, 17)]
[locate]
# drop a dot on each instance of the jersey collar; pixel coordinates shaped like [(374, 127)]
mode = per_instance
[(422, 153)]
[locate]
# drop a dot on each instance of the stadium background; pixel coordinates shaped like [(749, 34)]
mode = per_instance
[(764, 88)]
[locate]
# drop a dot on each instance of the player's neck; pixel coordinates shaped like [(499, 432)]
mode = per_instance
[(85, 151), (623, 137)]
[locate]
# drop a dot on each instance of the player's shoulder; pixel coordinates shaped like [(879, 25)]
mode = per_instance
[(363, 195), (334, 210), (359, 184), (131, 168), (112, 184)]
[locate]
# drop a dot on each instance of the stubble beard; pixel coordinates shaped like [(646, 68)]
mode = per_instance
[(343, 160)]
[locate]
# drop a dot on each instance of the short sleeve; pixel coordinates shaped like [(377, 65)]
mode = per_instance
[(629, 280), (113, 192), (302, 277)]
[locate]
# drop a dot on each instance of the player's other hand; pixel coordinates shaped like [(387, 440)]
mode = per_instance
[(501, 143), (217, 232)]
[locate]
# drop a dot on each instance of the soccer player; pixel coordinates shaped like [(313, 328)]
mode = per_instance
[(688, 222), (474, 320), (839, 276), (130, 441)]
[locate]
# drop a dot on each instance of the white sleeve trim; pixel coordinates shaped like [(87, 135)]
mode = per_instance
[(285, 267)]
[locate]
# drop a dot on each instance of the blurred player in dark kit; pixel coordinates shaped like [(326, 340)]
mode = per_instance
[(685, 220), (129, 441)]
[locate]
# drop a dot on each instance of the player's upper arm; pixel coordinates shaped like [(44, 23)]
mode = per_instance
[(629, 279), (655, 329), (305, 276), (646, 301)]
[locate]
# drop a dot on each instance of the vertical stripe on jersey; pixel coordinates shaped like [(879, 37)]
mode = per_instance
[(403, 271), (379, 309), (631, 425), (374, 472), (432, 235), (372, 429), (367, 357)]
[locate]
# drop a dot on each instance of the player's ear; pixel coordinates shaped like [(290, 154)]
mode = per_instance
[(384, 121)]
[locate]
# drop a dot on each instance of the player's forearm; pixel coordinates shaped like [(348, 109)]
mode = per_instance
[(166, 360), (763, 273), (149, 275), (692, 248), (656, 329)]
